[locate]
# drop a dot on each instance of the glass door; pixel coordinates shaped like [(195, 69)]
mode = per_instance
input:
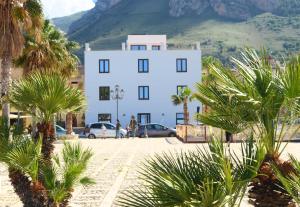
[(144, 118)]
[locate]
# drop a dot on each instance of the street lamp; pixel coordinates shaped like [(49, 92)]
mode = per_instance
[(117, 94)]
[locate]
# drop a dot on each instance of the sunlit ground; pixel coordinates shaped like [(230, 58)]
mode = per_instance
[(114, 167)]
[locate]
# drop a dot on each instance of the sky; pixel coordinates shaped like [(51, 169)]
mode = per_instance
[(59, 8)]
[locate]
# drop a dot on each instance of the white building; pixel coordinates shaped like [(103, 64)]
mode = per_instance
[(148, 73)]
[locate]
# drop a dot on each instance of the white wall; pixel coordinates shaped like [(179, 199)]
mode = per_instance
[(162, 80), (148, 40)]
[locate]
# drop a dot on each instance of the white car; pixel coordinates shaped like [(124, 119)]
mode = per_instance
[(102, 130)]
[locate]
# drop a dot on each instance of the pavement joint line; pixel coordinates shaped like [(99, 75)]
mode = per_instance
[(103, 166), (111, 195)]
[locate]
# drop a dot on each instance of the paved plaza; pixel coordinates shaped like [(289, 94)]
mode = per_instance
[(114, 167)]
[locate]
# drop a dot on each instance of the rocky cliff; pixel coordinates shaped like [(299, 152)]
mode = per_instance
[(234, 9), (222, 26)]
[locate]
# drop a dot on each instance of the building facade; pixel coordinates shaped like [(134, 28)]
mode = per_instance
[(148, 75)]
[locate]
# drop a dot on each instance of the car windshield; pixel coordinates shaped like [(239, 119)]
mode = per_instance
[(59, 129), (109, 126), (158, 127), (96, 126)]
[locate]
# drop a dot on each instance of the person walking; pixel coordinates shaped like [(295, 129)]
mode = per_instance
[(133, 125), (118, 127)]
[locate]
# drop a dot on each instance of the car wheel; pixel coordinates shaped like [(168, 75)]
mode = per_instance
[(142, 136), (92, 136), (172, 135)]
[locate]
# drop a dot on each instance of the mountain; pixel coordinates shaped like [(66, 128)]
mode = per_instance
[(222, 26), (64, 22)]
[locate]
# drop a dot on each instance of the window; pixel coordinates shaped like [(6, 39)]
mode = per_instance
[(109, 126), (181, 65), (104, 66), (96, 126), (179, 118), (143, 92), (179, 88), (104, 117), (144, 118), (104, 93), (138, 47), (143, 65), (158, 127), (155, 47)]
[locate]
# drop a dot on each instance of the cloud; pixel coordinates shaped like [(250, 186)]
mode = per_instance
[(59, 8)]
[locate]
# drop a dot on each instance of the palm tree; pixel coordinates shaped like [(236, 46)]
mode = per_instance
[(185, 95), (264, 99), (207, 78), (72, 164), (15, 17), (52, 52), (24, 158), (56, 96), (205, 177)]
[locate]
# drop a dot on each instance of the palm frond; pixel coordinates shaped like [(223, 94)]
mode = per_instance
[(258, 94), (176, 100), (56, 96), (205, 177), (67, 172), (290, 182), (26, 157)]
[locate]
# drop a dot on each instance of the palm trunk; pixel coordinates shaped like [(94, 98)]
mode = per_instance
[(6, 82), (65, 202), (69, 122), (185, 112), (28, 192), (266, 190), (47, 132)]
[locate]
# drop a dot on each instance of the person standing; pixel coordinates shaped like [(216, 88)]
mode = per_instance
[(133, 125), (118, 127), (228, 136)]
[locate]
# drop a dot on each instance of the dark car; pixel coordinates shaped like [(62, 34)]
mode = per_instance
[(155, 130)]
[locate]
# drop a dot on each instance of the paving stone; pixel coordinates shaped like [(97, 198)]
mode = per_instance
[(114, 167)]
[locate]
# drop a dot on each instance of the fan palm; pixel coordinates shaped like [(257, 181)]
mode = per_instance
[(264, 98), (184, 95), (206, 177), (49, 94), (16, 17), (38, 183), (22, 157), (52, 52), (71, 167)]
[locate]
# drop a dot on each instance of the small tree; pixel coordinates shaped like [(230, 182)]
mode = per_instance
[(51, 52), (184, 96), (264, 99), (49, 94)]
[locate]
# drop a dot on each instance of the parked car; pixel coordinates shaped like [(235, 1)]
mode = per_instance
[(102, 129), (155, 130), (60, 131)]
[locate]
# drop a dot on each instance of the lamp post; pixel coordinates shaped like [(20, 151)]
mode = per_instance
[(117, 94)]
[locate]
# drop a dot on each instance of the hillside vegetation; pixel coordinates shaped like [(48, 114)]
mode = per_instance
[(219, 36)]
